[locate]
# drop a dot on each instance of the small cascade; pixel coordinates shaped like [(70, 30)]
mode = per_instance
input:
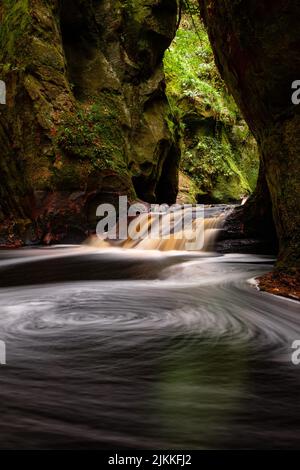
[(167, 232)]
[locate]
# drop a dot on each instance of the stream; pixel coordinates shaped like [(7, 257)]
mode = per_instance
[(133, 349)]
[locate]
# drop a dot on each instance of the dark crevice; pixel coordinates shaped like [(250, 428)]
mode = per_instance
[(80, 42)]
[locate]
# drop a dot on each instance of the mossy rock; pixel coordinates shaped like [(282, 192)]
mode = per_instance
[(85, 95)]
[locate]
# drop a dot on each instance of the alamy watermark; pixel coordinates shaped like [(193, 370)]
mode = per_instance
[(140, 221), (2, 353), (296, 93), (296, 353), (2, 92)]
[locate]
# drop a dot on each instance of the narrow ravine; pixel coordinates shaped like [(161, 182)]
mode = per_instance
[(149, 226)]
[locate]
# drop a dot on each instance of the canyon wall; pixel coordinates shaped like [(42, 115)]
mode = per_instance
[(86, 118), (257, 50)]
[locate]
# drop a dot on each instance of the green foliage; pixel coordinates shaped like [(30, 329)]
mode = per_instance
[(213, 165), (137, 9), (207, 160), (91, 134), (218, 151), (191, 72), (245, 151), (16, 20)]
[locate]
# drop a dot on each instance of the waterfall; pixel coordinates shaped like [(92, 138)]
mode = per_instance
[(166, 232)]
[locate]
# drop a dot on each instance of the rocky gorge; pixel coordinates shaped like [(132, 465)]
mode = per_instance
[(88, 116), (126, 324)]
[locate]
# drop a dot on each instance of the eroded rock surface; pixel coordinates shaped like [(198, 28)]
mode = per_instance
[(86, 117), (256, 45)]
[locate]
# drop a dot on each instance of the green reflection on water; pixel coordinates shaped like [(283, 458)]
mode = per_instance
[(200, 390)]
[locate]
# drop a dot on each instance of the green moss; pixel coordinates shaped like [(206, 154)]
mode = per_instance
[(191, 71), (217, 170), (93, 133), (16, 21), (136, 9), (207, 160), (218, 152)]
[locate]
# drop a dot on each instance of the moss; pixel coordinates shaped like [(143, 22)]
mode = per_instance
[(218, 151), (150, 29), (245, 152), (191, 71), (93, 133), (136, 9), (46, 54), (16, 21), (104, 132)]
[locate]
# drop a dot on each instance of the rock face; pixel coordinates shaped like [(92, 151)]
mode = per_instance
[(218, 150), (256, 45), (86, 117), (188, 191), (220, 156)]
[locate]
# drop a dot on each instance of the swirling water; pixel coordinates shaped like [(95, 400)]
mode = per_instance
[(131, 349)]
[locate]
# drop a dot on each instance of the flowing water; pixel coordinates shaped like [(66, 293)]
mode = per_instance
[(115, 349), (180, 228)]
